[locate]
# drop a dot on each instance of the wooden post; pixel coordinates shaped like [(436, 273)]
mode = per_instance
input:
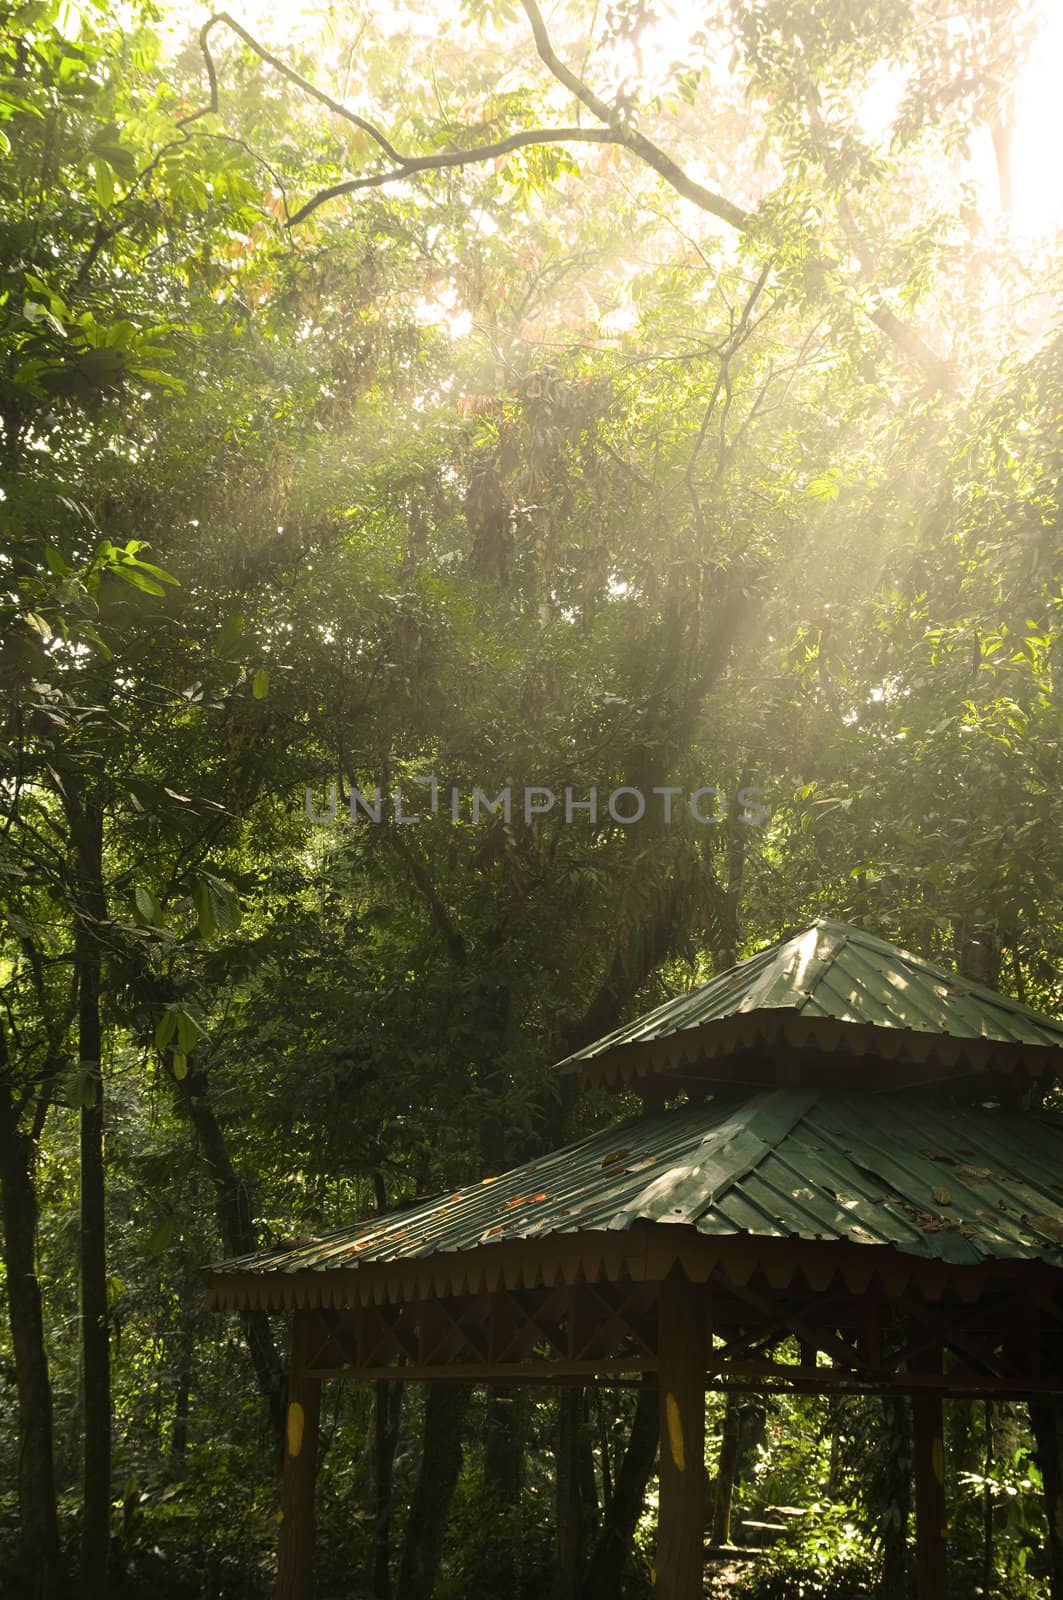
[(929, 1463), (295, 1556), (681, 1351)]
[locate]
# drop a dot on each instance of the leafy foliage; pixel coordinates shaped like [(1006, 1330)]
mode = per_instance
[(716, 445)]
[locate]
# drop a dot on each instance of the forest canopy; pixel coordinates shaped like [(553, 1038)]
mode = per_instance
[(443, 400)]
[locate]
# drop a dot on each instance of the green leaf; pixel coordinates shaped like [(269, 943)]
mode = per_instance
[(104, 185), (161, 1236), (260, 684), (179, 1065), (188, 1032), (138, 580), (225, 903), (204, 909), (165, 1029), (129, 557), (147, 904), (83, 1086), (91, 633), (230, 633), (165, 381)]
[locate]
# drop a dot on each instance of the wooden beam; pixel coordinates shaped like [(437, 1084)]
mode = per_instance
[(772, 1377), (295, 1555), (545, 1369), (930, 1512), (766, 1376), (682, 1339)]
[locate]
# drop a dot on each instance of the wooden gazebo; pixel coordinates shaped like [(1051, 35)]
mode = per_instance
[(835, 1187)]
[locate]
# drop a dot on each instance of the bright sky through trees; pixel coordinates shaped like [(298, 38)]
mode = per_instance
[(1037, 117), (1037, 151)]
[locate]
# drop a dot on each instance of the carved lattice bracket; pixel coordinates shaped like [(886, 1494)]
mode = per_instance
[(1007, 1342)]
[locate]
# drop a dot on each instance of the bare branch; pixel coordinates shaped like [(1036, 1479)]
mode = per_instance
[(912, 343), (104, 235), (564, 75), (212, 78), (639, 477), (615, 130), (442, 159), (905, 337), (308, 88), (729, 348), (422, 877), (629, 136)]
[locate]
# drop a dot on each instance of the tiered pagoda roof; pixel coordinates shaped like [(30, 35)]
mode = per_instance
[(828, 990), (791, 1133)]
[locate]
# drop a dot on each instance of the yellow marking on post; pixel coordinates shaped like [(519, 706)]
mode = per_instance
[(295, 1428), (937, 1460), (675, 1431)]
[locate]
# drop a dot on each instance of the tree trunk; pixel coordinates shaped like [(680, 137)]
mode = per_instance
[(727, 1469), (837, 1428), (38, 1523), (613, 1545), (504, 1475), (1045, 1416), (895, 1498), (182, 1398), (387, 1413), (87, 829), (1001, 130), (504, 1444), (235, 1225), (570, 1523), (988, 1550), (752, 1433), (931, 1521), (978, 951), (444, 1418), (588, 1483), (603, 1447)]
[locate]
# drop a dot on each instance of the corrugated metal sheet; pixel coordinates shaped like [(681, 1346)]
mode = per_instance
[(832, 970), (959, 1186)]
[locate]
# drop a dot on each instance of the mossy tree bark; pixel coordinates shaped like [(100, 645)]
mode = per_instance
[(38, 1521), (620, 1519), (444, 1423), (1045, 1419)]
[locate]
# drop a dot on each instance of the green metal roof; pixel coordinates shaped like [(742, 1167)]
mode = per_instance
[(832, 971), (962, 1186)]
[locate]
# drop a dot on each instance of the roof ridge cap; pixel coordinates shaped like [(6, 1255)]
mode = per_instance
[(834, 950), (793, 1104)]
